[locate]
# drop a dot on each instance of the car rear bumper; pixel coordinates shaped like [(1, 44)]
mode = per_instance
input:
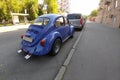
[(34, 50), (78, 27)]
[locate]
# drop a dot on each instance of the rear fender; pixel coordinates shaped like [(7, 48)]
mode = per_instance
[(50, 38)]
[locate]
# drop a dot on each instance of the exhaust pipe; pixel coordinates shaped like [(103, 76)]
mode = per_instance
[(19, 51), (27, 56)]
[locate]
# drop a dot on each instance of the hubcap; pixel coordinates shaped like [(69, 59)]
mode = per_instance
[(57, 47)]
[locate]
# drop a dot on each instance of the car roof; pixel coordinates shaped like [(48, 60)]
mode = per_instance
[(53, 16), (75, 14)]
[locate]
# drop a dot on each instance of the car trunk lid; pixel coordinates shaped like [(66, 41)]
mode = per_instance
[(32, 35), (75, 22)]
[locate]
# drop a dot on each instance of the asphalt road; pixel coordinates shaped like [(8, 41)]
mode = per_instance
[(13, 66), (97, 56)]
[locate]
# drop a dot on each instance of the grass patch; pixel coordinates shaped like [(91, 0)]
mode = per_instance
[(8, 24)]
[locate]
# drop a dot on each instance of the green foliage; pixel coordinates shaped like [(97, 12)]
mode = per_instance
[(52, 6), (32, 8), (7, 6), (18, 6), (94, 13), (40, 9), (3, 11), (14, 5)]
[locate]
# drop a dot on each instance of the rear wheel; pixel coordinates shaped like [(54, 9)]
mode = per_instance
[(72, 35), (56, 47)]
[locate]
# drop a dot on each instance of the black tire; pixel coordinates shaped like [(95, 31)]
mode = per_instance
[(72, 35), (55, 47)]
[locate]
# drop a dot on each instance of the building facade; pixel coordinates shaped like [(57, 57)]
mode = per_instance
[(109, 12), (64, 6)]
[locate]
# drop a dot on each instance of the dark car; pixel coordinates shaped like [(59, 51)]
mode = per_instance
[(46, 35), (76, 20)]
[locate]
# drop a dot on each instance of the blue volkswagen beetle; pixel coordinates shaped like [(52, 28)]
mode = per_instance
[(46, 35)]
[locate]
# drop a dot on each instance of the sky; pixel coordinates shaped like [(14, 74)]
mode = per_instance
[(83, 6)]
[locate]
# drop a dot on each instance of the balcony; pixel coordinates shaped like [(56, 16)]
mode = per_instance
[(107, 2), (100, 8)]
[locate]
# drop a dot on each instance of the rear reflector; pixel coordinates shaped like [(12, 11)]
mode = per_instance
[(42, 42), (81, 21), (22, 36)]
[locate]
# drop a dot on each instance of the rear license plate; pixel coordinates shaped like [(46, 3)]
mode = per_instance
[(27, 39)]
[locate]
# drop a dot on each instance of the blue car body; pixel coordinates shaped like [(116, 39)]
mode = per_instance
[(45, 31)]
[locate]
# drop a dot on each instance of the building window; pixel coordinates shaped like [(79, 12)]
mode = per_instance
[(114, 18), (116, 3), (108, 8)]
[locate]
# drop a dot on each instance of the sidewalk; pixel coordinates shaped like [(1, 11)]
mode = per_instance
[(97, 56), (12, 28)]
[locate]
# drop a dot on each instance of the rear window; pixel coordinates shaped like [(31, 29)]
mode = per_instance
[(41, 21), (74, 16)]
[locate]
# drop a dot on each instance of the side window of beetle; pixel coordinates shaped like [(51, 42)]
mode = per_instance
[(59, 22), (66, 22)]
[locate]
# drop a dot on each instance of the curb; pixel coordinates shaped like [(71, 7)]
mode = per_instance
[(61, 73), (13, 28), (63, 68)]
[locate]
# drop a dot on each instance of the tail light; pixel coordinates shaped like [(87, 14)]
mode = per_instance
[(21, 36), (42, 42), (81, 21)]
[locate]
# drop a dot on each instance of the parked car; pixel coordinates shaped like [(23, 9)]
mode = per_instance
[(46, 35), (76, 20)]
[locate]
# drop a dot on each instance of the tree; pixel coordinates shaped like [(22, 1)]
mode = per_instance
[(52, 6), (40, 9), (4, 13), (32, 9), (18, 6), (94, 13)]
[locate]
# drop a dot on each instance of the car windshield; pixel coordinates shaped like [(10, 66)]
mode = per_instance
[(41, 21), (73, 16)]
